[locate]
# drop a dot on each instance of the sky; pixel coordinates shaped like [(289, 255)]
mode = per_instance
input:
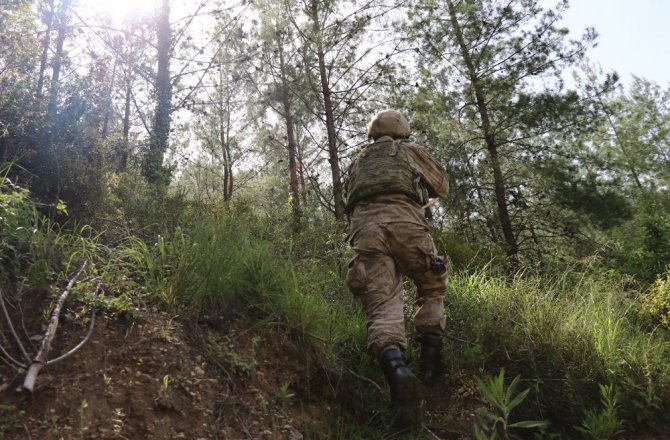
[(634, 36)]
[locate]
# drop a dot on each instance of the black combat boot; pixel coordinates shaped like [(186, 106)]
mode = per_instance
[(405, 402), (430, 360)]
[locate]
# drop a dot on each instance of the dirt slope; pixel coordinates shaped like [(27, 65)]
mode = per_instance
[(149, 377)]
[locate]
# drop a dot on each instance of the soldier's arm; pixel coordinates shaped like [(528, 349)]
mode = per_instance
[(434, 175)]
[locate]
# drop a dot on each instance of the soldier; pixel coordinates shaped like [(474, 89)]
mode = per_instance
[(389, 185)]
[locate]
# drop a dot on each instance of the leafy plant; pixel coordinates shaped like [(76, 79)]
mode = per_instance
[(656, 302), (503, 401), (604, 424)]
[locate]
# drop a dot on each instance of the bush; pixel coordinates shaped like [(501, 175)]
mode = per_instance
[(151, 209), (656, 302), (33, 249), (17, 218)]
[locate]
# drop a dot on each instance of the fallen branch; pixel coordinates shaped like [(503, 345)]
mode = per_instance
[(18, 341), (41, 358), (86, 338)]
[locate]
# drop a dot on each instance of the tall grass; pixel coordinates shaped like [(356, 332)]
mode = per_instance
[(34, 250), (567, 335), (225, 267)]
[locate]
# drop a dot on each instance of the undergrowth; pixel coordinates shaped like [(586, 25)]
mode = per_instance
[(565, 337)]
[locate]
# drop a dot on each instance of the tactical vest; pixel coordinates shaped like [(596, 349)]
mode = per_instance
[(384, 168)]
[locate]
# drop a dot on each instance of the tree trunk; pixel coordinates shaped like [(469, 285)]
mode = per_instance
[(290, 138), (224, 139), (52, 107), (48, 157), (109, 104), (490, 139), (125, 145), (153, 161), (301, 174), (333, 154), (292, 168), (46, 41)]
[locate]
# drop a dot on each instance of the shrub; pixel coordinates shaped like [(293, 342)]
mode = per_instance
[(656, 302)]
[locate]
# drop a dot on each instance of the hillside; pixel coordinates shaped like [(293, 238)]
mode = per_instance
[(152, 377)]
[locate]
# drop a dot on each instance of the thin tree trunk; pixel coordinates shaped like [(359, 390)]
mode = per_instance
[(301, 174), (224, 138), (490, 224), (50, 162), (153, 165), (491, 143), (52, 107), (108, 108), (333, 154), (125, 145), (293, 175), (290, 138), (46, 41)]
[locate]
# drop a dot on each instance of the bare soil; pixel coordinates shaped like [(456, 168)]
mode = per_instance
[(151, 376)]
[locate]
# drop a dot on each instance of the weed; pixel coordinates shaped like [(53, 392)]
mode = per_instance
[(82, 420), (284, 395), (503, 402), (118, 420), (240, 365), (165, 385), (604, 424)]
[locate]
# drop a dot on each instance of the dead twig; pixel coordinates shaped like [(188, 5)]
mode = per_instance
[(11, 327), (41, 358), (4, 352), (365, 379), (11, 359)]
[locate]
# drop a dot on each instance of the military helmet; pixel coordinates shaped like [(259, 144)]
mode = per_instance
[(388, 123)]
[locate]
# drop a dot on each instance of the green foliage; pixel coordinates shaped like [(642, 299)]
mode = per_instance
[(462, 255), (227, 265), (503, 402), (153, 209), (656, 301), (603, 205), (17, 217), (33, 249), (569, 334), (644, 243), (604, 424)]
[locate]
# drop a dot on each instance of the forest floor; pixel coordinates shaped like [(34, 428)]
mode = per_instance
[(148, 376)]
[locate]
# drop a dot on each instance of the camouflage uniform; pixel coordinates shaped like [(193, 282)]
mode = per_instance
[(389, 236)]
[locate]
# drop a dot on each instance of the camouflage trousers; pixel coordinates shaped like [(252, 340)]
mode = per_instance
[(382, 254)]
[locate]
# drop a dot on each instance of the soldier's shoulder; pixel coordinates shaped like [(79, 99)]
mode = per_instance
[(414, 146)]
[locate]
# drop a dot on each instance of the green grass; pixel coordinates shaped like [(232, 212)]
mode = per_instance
[(565, 336), (226, 267)]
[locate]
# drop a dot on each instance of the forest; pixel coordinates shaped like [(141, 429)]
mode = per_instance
[(172, 205)]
